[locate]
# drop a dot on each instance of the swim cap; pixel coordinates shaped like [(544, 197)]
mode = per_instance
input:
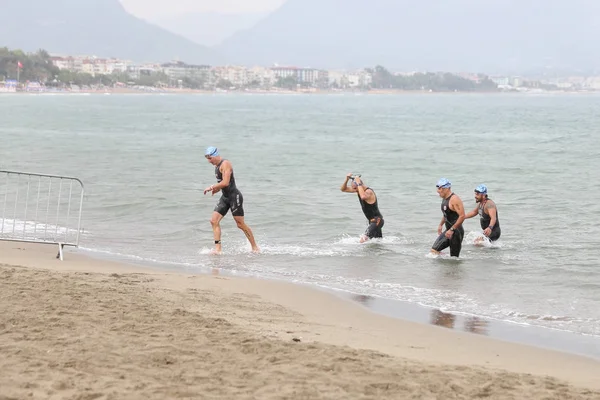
[(211, 151), (481, 189), (443, 183)]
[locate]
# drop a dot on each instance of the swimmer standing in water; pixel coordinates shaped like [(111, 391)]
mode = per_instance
[(454, 215), (488, 215), (368, 202)]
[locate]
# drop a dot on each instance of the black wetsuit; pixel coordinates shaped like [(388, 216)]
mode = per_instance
[(374, 217), (231, 197), (455, 243), (484, 220)]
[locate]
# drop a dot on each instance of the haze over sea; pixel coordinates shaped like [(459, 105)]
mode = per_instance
[(141, 159)]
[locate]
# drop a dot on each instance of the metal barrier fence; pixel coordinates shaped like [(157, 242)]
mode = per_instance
[(39, 208)]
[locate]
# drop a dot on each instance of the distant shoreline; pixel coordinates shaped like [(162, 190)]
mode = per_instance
[(289, 92)]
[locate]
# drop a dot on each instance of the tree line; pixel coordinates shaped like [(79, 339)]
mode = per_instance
[(38, 67), (441, 81), (35, 67)]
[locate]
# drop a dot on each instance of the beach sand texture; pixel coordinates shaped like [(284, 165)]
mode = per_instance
[(93, 329)]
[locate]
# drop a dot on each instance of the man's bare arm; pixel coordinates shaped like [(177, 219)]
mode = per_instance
[(472, 213), (226, 171), (346, 188), (366, 195)]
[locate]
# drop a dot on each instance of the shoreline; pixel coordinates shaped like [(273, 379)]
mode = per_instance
[(537, 336), (171, 91), (530, 335), (152, 333)]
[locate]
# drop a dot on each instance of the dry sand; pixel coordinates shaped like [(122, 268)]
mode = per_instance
[(92, 329)]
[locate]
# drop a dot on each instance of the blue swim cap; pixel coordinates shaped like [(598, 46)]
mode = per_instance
[(481, 189), (443, 183), (211, 151)]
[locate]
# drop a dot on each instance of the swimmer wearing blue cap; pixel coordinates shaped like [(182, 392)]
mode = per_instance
[(488, 214), (231, 198), (454, 215), (368, 203)]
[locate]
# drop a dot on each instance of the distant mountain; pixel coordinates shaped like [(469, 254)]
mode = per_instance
[(451, 35), (94, 27), (209, 28)]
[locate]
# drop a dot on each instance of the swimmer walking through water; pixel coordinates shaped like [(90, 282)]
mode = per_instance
[(488, 214), (454, 215), (231, 198), (368, 203)]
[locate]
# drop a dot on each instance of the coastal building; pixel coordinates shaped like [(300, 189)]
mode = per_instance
[(285, 72), (236, 76), (500, 80), (592, 83), (350, 80), (68, 63), (90, 64), (303, 76), (181, 70), (135, 71), (261, 76)]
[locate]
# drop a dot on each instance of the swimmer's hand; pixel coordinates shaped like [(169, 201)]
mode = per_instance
[(210, 189)]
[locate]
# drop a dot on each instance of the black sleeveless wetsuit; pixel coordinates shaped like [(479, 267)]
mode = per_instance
[(374, 217), (455, 243), (231, 197), (484, 220)]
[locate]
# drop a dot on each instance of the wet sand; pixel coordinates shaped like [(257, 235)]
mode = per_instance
[(92, 329)]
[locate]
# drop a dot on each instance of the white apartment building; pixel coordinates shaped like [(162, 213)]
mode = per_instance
[(306, 76), (90, 64), (237, 75), (136, 71), (345, 79), (68, 63), (264, 76), (181, 70)]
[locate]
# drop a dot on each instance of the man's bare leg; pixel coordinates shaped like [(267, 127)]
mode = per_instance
[(215, 222), (248, 232)]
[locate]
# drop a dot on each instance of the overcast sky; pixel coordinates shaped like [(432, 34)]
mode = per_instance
[(153, 9)]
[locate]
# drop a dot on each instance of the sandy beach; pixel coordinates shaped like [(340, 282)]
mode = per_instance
[(85, 328)]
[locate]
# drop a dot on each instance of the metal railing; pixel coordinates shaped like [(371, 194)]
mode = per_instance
[(40, 208)]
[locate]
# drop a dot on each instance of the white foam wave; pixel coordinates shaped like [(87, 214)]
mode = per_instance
[(345, 246), (475, 238), (451, 301), (37, 231), (353, 240)]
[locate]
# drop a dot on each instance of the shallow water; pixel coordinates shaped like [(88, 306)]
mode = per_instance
[(141, 159)]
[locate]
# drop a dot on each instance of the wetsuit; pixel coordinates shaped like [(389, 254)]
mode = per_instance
[(455, 243), (231, 197), (374, 217), (484, 220)]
